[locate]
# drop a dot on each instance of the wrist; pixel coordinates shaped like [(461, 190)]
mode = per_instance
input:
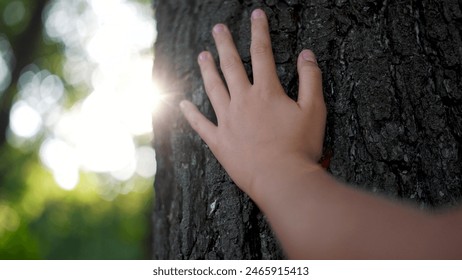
[(280, 175)]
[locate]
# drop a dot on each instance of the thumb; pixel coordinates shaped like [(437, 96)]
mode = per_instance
[(310, 79), (205, 128)]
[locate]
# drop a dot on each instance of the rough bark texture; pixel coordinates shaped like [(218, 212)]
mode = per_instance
[(392, 84)]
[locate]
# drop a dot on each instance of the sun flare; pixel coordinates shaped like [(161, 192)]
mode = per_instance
[(113, 58)]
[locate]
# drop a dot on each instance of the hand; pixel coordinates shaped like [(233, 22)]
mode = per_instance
[(260, 129)]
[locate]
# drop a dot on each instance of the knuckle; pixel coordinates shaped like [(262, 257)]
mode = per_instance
[(259, 48), (229, 62), (212, 87)]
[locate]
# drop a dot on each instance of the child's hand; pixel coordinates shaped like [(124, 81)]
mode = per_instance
[(269, 145), (260, 129)]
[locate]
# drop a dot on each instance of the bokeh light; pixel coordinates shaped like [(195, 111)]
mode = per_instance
[(14, 13), (25, 121), (5, 58), (108, 51), (76, 91)]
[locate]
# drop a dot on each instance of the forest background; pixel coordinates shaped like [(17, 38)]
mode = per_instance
[(76, 163)]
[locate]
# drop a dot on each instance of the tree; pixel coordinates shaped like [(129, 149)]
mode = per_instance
[(394, 102), (24, 46)]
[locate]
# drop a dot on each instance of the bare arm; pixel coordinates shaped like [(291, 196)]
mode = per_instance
[(270, 145)]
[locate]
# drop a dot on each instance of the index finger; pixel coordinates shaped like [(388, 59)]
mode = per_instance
[(230, 61), (263, 65)]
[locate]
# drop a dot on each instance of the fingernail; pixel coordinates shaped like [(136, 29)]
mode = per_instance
[(203, 56), (183, 105), (309, 56), (258, 13), (218, 28)]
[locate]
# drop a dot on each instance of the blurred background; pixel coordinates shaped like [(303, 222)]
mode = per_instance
[(76, 102)]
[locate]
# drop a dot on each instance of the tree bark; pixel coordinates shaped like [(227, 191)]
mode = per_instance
[(392, 83)]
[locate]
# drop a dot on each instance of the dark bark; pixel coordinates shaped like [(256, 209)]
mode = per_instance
[(392, 85)]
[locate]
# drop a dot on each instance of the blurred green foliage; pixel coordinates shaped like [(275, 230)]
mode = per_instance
[(38, 219)]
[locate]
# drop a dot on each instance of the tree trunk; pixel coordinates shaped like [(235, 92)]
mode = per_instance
[(392, 85), (24, 48)]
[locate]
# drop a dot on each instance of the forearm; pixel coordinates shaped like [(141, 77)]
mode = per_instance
[(315, 216)]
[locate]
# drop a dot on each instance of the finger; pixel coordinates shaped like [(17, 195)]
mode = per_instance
[(230, 61), (310, 80), (264, 68), (205, 128), (216, 90)]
